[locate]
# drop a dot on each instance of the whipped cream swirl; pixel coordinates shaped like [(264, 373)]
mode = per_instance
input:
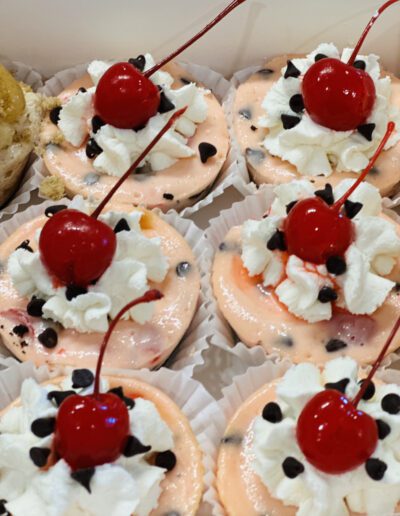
[(137, 260), (312, 148), (121, 147), (373, 254), (130, 485), (313, 491)]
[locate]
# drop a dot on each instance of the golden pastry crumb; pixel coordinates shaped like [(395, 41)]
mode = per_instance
[(53, 188), (49, 103)]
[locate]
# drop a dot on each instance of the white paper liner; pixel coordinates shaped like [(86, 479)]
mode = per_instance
[(230, 174), (30, 182), (189, 351), (252, 207), (191, 397), (241, 388)]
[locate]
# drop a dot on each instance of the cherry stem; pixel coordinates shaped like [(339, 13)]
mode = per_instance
[(208, 27), (148, 297), (339, 203), (377, 363), (167, 126), (367, 29)]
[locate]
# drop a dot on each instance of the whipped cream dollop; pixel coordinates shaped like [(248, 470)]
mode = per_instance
[(137, 260), (372, 255), (130, 485), (312, 148), (121, 147), (313, 491)]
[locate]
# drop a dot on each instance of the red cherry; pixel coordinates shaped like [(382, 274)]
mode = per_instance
[(126, 98), (91, 430), (76, 248), (315, 231), (337, 95), (334, 436)]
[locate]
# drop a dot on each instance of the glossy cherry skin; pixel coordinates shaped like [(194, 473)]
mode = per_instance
[(75, 248), (125, 98), (334, 436), (338, 96), (314, 231), (91, 430)]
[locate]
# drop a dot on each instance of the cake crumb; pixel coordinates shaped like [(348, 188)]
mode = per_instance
[(52, 188)]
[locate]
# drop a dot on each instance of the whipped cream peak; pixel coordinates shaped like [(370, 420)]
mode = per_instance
[(371, 257), (121, 147), (312, 491), (312, 148), (137, 261)]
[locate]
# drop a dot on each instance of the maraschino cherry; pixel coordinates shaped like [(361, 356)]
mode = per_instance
[(315, 231), (333, 434), (92, 430), (338, 95), (126, 98), (76, 248)]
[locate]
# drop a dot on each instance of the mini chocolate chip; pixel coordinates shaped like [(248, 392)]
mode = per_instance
[(121, 225), (265, 71), (360, 64), (82, 90), (82, 378), (352, 208), (83, 477), (285, 340), (97, 123), (366, 130), (272, 412), (118, 391), (25, 245), (207, 151), (336, 265), (253, 128), (52, 210), (43, 426), (326, 194), (277, 241), (185, 81), (235, 440), (138, 62), (391, 403), (327, 294), (255, 155), (290, 121), (335, 345), (39, 456), (165, 104), (48, 338), (172, 513), (168, 196), (369, 391), (374, 171), (135, 447), (166, 460), (245, 113), (91, 178), (338, 386), (92, 148), (35, 306), (396, 288), (296, 103), (223, 246), (3, 509), (292, 467), (318, 57), (73, 291), (291, 70), (59, 396), (375, 468), (383, 429), (20, 330), (182, 269), (55, 114), (290, 206)]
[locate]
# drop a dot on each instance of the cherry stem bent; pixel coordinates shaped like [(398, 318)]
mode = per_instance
[(167, 126), (339, 203), (367, 29), (208, 27), (148, 297)]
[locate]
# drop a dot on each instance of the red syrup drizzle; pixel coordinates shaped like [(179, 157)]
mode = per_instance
[(315, 231), (92, 430), (126, 98), (77, 248), (338, 95)]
